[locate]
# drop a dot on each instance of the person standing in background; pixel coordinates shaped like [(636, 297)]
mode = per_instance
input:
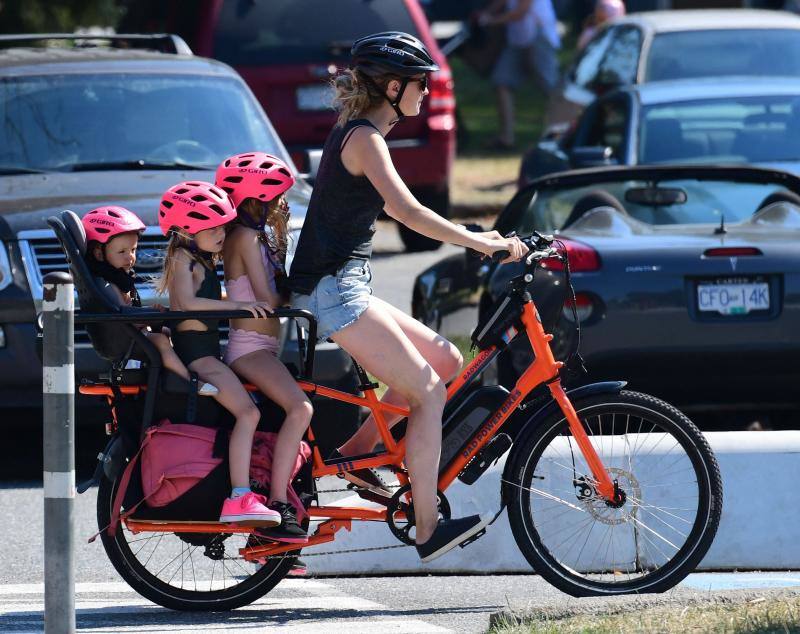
[(532, 41), (604, 11)]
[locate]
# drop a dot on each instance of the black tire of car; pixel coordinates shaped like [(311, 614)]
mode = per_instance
[(263, 579), (439, 201), (527, 452)]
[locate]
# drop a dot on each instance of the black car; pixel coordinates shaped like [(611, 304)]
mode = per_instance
[(687, 281), (743, 120), (90, 124)]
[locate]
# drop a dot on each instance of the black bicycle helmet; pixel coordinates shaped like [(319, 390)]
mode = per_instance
[(393, 53)]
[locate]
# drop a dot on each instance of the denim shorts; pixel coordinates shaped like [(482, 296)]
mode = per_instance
[(338, 300)]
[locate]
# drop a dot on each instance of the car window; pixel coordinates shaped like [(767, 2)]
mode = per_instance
[(714, 53), (307, 31), (607, 125), (587, 67), (706, 203), (58, 121), (739, 130), (619, 64)]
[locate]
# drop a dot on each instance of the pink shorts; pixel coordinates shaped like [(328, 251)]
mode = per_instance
[(242, 342)]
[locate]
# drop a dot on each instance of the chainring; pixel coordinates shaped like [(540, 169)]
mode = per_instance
[(401, 527)]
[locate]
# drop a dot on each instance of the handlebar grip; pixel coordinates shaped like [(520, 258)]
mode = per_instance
[(499, 256)]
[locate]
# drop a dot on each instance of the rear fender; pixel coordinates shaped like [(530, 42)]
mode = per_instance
[(533, 421)]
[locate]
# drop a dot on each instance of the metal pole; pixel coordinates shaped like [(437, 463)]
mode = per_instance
[(58, 391)]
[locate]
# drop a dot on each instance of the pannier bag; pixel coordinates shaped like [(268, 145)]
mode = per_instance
[(176, 457)]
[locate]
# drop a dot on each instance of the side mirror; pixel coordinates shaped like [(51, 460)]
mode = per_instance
[(592, 155)]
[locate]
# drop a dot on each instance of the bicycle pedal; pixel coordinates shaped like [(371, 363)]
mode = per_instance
[(469, 540)]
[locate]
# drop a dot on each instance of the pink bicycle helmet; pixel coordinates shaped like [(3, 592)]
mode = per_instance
[(104, 223), (254, 175), (194, 206)]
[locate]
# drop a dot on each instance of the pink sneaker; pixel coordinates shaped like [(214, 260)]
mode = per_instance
[(249, 509)]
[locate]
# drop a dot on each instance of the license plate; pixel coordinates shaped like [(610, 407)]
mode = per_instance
[(733, 299), (315, 97)]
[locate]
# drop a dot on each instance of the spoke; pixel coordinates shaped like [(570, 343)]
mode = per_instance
[(650, 530), (666, 523), (167, 564), (545, 495), (158, 543), (194, 578), (575, 532), (585, 541), (663, 509)]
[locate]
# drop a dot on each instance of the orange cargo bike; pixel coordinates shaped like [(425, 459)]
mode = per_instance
[(608, 491)]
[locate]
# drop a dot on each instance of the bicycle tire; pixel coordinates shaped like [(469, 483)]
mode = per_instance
[(527, 456), (137, 575)]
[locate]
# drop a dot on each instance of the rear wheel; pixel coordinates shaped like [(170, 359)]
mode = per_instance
[(670, 505), (186, 571)]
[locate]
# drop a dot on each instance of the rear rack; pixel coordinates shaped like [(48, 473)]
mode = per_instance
[(162, 42)]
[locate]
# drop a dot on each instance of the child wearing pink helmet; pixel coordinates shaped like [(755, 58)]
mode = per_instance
[(112, 235), (255, 253), (194, 214)]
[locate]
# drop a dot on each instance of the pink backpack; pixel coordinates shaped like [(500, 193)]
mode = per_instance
[(176, 456)]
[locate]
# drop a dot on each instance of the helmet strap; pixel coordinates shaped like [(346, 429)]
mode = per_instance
[(396, 103)]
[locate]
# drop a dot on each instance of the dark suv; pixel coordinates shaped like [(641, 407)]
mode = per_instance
[(287, 51), (86, 125)]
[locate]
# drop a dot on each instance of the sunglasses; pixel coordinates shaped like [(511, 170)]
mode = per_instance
[(423, 82)]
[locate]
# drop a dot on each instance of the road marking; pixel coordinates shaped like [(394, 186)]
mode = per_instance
[(310, 607), (741, 580)]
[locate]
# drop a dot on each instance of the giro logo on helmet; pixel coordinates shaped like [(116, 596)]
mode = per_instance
[(187, 201), (389, 49), (100, 221), (245, 170)]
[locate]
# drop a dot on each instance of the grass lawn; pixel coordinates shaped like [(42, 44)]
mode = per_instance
[(759, 615)]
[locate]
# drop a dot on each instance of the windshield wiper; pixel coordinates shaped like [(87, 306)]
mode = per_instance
[(138, 164), (7, 170)]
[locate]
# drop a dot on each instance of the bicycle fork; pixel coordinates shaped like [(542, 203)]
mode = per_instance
[(545, 366)]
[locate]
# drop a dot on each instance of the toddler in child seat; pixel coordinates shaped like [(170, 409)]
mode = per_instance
[(255, 252), (112, 235), (194, 214)]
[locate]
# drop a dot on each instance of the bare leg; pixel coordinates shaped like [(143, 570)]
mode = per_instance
[(234, 398), (168, 357), (441, 355), (380, 346), (272, 378), (505, 108)]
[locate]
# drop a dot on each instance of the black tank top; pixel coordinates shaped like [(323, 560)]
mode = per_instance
[(210, 288), (341, 216)]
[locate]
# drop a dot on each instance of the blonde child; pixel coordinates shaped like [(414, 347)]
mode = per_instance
[(193, 214), (255, 252)]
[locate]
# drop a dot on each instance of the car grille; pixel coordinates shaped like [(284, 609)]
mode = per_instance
[(43, 254)]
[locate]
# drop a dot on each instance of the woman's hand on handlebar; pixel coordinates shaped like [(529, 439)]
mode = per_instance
[(257, 309), (514, 249)]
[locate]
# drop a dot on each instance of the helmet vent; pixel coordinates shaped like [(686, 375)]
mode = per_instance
[(113, 213), (166, 204), (245, 163), (102, 230), (162, 213), (232, 179), (217, 208), (182, 190), (266, 165), (199, 198), (196, 215), (270, 181), (216, 193), (285, 172)]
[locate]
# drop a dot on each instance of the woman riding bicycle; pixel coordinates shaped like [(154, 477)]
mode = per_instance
[(330, 272)]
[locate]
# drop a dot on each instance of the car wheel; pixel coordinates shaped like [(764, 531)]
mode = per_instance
[(439, 201)]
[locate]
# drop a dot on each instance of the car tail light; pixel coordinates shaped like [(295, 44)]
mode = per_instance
[(581, 257), (584, 307), (441, 99), (731, 252)]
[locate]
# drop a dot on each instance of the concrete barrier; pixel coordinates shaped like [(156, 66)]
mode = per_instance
[(760, 527)]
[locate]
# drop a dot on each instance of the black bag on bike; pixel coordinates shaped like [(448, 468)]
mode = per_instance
[(505, 313)]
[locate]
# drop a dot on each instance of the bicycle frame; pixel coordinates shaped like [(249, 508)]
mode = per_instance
[(544, 369)]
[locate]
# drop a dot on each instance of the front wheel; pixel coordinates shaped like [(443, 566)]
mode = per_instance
[(669, 509)]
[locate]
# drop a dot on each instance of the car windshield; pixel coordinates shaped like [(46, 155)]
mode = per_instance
[(127, 121), (292, 32), (720, 52), (706, 202), (740, 130)]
